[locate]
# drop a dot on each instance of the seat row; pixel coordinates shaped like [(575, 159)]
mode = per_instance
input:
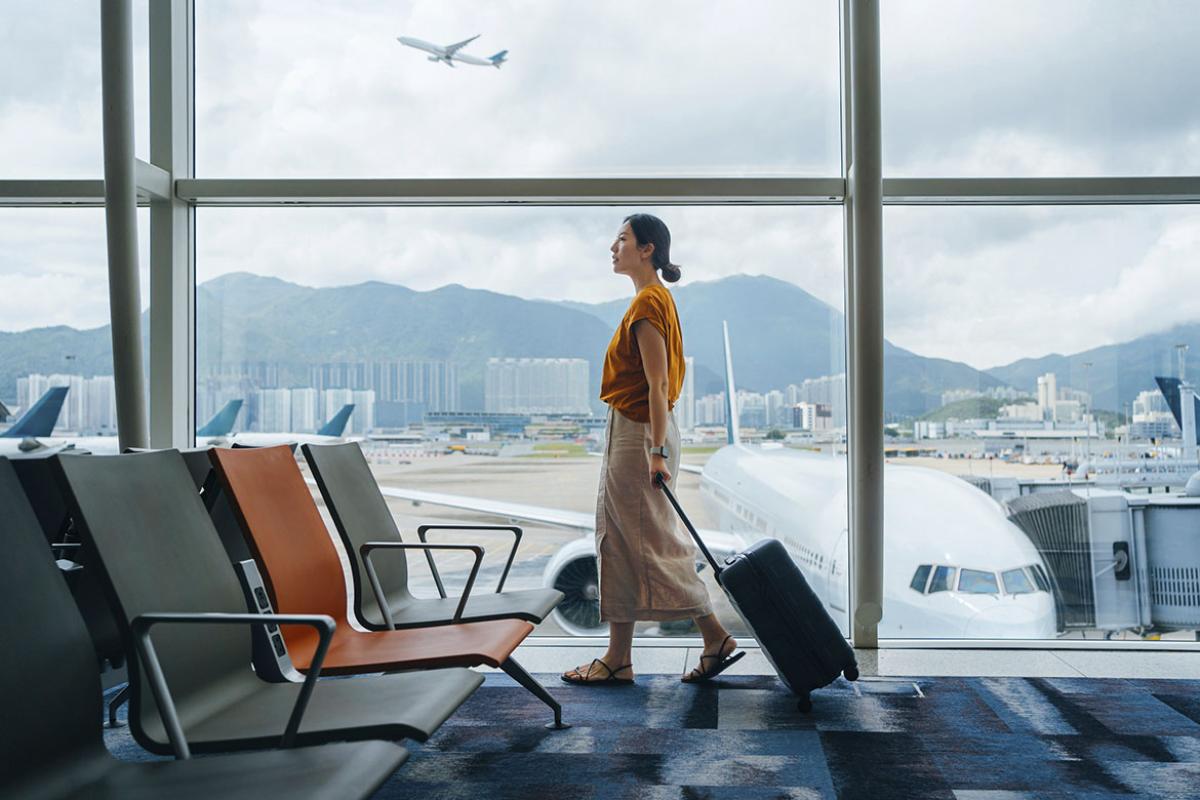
[(163, 533)]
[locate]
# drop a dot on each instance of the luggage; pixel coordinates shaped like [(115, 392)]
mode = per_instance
[(795, 631)]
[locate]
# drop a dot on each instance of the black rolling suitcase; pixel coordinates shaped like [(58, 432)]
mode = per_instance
[(786, 617)]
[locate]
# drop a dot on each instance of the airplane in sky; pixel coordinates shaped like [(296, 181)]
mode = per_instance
[(451, 52), (35, 427), (329, 433), (954, 565)]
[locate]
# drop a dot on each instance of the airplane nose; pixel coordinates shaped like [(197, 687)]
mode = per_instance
[(1010, 621)]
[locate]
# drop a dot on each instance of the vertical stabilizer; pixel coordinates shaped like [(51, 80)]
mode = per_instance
[(732, 434), (1172, 391), (222, 422), (337, 423), (41, 417)]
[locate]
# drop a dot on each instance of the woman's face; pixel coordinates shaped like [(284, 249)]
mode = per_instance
[(627, 256)]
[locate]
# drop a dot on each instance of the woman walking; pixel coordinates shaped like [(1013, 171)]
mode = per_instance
[(647, 567)]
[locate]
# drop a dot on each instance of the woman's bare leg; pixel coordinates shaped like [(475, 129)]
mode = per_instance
[(619, 654), (717, 640)]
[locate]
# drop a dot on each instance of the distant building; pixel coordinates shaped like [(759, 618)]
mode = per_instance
[(813, 417), (752, 409), (685, 406), (274, 411), (362, 421), (710, 409), (1029, 411), (304, 403), (433, 384), (828, 390), (1152, 418), (90, 406), (537, 386), (778, 415)]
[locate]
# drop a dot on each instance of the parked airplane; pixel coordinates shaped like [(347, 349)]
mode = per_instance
[(37, 422), (954, 565), (450, 53), (329, 433), (40, 441)]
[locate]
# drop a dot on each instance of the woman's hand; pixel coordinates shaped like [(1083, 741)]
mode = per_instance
[(659, 464)]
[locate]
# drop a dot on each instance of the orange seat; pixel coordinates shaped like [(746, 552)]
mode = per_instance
[(303, 573)]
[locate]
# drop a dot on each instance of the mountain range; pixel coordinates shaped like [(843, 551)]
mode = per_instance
[(779, 334)]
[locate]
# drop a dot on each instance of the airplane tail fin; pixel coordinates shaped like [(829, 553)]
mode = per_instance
[(41, 417), (499, 58), (1170, 392), (222, 422), (337, 423), (732, 432)]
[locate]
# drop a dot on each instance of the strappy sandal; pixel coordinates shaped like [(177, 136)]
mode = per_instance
[(584, 679), (701, 673)]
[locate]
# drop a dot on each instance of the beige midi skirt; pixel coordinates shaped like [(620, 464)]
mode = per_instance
[(647, 561)]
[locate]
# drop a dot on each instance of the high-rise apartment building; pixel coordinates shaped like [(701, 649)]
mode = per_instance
[(537, 386)]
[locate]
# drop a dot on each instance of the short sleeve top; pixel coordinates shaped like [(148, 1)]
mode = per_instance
[(623, 384)]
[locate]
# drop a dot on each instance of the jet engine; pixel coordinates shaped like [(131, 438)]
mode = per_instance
[(573, 572)]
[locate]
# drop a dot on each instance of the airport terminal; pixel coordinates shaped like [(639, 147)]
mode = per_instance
[(316, 336)]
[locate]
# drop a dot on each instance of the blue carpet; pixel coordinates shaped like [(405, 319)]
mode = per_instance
[(741, 737)]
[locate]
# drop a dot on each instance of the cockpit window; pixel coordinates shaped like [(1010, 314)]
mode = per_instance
[(1017, 582), (943, 580), (921, 577), (975, 581), (1039, 577)]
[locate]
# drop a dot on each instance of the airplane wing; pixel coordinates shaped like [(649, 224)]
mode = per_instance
[(721, 544), (695, 469), (451, 49)]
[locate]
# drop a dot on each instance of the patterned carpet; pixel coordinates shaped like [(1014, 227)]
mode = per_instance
[(741, 737)]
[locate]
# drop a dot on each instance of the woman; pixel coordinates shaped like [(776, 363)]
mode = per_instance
[(647, 566)]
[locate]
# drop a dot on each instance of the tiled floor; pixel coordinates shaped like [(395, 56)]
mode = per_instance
[(668, 660)]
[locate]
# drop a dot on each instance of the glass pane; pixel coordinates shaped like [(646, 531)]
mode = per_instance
[(1029, 88), (1032, 388), (401, 312), (587, 89), (943, 579), (54, 330), (973, 581), (920, 578), (1017, 582), (50, 109)]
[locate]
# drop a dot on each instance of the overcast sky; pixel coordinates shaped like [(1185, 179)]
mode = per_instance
[(666, 88)]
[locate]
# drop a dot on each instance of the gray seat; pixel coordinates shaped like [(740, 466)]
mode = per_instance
[(361, 515), (158, 550), (51, 741)]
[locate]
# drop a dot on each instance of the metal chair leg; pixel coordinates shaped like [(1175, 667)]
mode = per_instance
[(116, 703), (518, 673)]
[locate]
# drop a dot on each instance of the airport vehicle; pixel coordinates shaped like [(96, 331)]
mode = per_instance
[(451, 52), (954, 565), (329, 433), (35, 427), (24, 435)]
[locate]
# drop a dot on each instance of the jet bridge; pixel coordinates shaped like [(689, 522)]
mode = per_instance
[(1117, 561)]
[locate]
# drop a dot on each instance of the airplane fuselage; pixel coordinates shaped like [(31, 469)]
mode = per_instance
[(930, 518)]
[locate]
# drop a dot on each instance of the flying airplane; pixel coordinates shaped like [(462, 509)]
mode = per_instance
[(954, 565), (329, 433), (450, 53), (37, 438)]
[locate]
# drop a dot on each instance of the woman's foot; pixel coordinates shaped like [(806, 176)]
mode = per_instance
[(599, 671), (714, 660)]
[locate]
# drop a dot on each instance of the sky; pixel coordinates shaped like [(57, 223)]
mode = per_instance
[(305, 88)]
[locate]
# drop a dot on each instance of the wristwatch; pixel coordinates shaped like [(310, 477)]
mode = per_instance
[(661, 451)]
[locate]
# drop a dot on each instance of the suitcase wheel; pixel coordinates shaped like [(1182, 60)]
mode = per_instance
[(851, 672), (804, 704)]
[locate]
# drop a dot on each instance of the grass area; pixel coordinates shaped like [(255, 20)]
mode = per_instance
[(701, 449), (557, 450)]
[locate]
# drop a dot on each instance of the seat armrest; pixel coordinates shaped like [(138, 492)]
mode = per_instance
[(142, 624), (381, 598), (515, 530)]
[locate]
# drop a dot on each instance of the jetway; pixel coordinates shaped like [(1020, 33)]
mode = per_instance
[(1117, 561)]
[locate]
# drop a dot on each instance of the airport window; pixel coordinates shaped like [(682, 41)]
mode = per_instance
[(50, 88), (718, 90), (1027, 88), (1017, 582), (1039, 577), (943, 580), (974, 581), (921, 578)]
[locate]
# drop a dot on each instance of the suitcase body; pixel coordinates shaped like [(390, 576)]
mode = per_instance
[(795, 631), (785, 615)]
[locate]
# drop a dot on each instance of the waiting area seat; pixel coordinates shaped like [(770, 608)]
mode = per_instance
[(142, 518), (361, 516), (303, 573), (51, 742)]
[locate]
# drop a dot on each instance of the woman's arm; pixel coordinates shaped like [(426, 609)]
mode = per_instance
[(654, 363)]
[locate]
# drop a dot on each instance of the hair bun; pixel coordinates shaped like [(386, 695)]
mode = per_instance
[(671, 273)]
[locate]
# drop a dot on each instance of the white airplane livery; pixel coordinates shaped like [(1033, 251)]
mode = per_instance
[(329, 433), (954, 565), (452, 52)]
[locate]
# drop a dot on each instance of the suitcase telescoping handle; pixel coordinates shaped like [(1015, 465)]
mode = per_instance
[(658, 479)]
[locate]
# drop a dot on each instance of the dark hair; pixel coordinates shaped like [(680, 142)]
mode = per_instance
[(649, 229)]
